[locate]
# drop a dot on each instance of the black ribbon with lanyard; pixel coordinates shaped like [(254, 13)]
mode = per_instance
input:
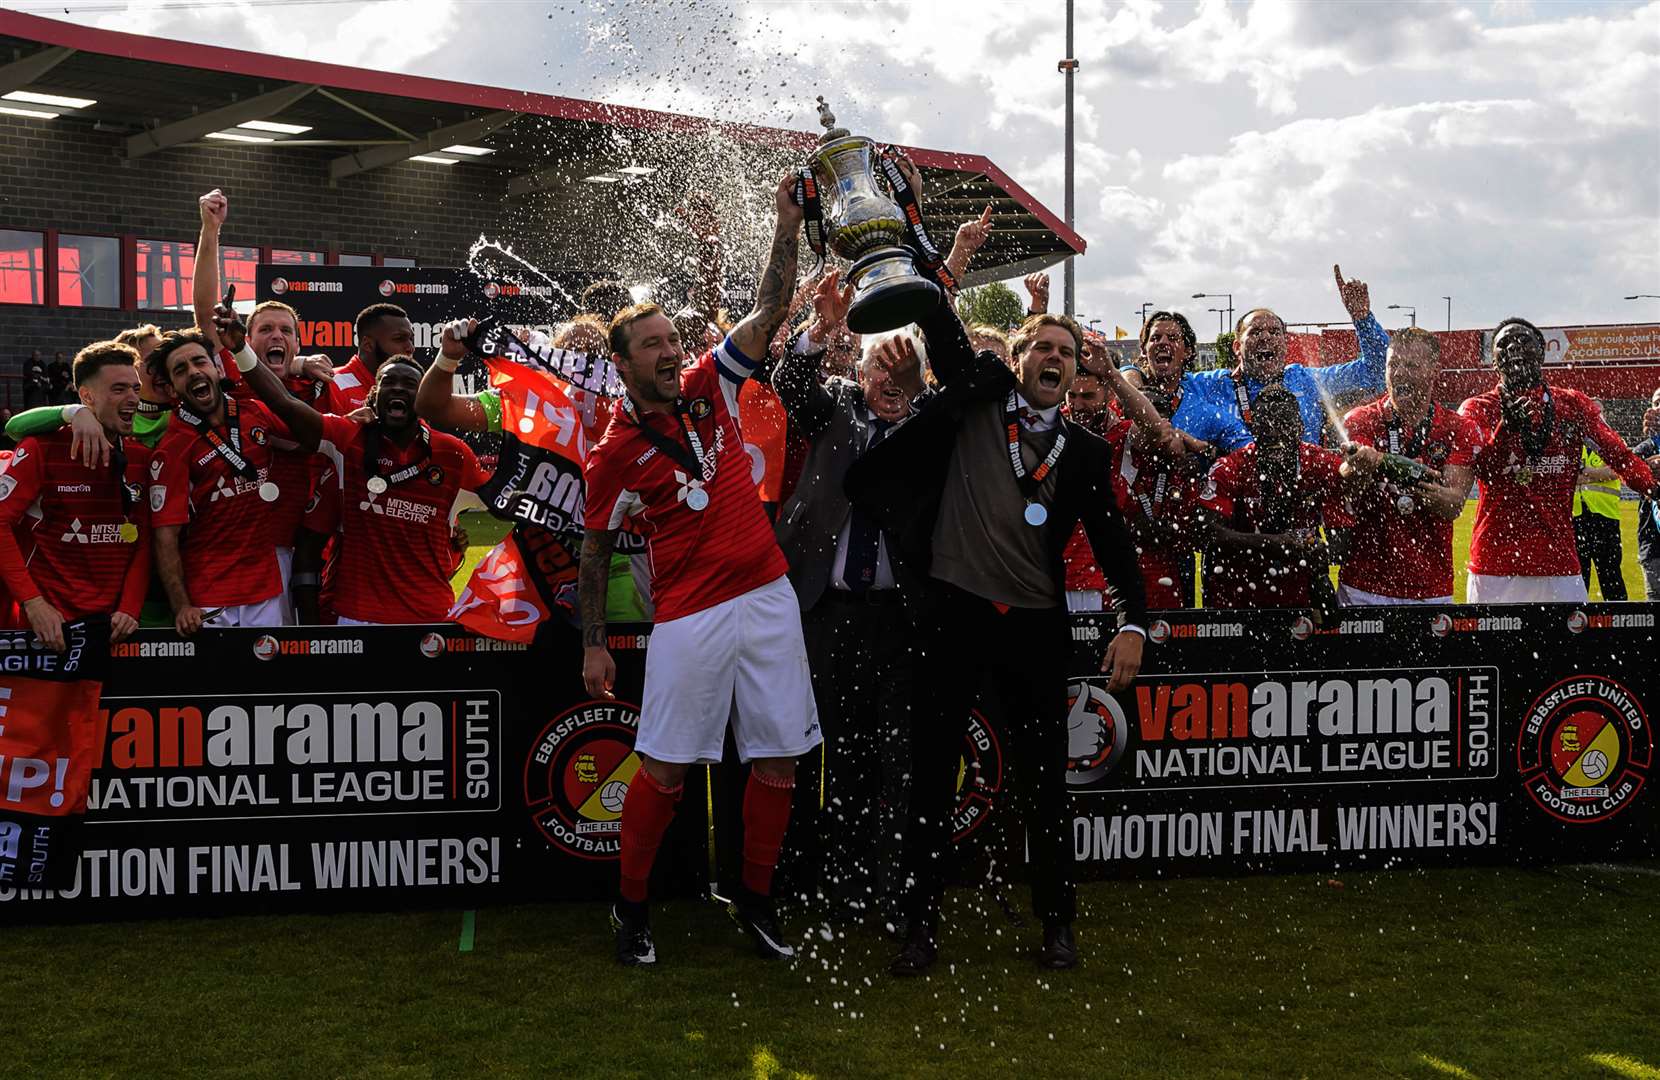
[(1534, 437), (377, 483), (129, 492), (1419, 437), (1029, 483), (688, 456), (231, 452), (812, 210), (922, 245), (1150, 507)]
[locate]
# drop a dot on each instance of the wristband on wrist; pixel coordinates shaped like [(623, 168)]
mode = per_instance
[(67, 413), (245, 359), (444, 363), (296, 366)]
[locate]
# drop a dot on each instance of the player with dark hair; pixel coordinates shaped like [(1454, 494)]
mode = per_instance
[(605, 298), (1264, 506), (1532, 435), (74, 539), (383, 331), (727, 640)]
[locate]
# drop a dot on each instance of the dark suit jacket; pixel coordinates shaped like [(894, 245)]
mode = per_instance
[(900, 481), (831, 416)]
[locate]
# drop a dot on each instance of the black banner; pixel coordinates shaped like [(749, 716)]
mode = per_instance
[(383, 767), (328, 299)]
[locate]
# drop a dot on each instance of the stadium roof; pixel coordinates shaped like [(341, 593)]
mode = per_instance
[(157, 94)]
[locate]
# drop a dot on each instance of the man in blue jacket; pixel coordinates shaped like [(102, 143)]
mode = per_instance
[(1216, 405)]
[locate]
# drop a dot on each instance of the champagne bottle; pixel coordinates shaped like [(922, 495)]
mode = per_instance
[(1398, 469)]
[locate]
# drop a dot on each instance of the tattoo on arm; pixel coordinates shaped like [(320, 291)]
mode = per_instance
[(772, 296), (593, 574)]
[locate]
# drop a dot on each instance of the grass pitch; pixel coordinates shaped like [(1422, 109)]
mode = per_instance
[(1474, 972)]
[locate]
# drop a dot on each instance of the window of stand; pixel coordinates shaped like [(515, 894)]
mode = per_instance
[(348, 259), (89, 271), (166, 269), (391, 260), (287, 257), (22, 267)]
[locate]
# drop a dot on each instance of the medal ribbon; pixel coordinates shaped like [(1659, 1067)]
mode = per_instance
[(1150, 507), (118, 465), (812, 210), (1240, 397), (688, 456), (1419, 437), (230, 453), (371, 456), (1028, 484), (922, 245)]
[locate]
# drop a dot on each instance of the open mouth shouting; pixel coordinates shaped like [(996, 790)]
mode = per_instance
[(1049, 377), (203, 392), (276, 358)]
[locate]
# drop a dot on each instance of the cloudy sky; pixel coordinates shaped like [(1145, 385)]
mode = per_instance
[(1504, 153)]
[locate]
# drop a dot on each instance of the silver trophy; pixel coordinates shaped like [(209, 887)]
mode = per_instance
[(867, 228)]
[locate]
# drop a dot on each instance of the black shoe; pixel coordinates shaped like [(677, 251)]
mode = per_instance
[(1060, 948), (634, 945), (757, 917), (920, 951)]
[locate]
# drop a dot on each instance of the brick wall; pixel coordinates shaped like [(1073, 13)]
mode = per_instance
[(69, 177)]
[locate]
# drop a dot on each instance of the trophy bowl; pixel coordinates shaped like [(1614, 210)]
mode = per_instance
[(867, 228)]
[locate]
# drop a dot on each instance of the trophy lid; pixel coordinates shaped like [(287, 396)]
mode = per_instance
[(828, 119)]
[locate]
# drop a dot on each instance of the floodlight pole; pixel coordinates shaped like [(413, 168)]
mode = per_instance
[(1067, 67)]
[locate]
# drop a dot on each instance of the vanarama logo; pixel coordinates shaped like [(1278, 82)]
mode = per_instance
[(149, 649), (413, 288), (1585, 749), (267, 647), (284, 285), (979, 777), (494, 289), (1096, 733), (432, 649), (577, 776), (1163, 631), (1444, 624), (1303, 628), (1579, 622)]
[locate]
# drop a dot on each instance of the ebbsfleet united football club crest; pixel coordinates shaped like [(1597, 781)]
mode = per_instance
[(979, 777), (577, 775), (1585, 749)]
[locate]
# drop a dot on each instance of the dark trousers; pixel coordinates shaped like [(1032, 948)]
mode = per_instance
[(860, 654), (1598, 540), (964, 643)]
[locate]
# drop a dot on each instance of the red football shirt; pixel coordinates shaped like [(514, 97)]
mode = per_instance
[(62, 532), (698, 558), (228, 549), (1406, 556), (350, 389), (1524, 517), (395, 558), (1241, 578), (1146, 494), (293, 470)]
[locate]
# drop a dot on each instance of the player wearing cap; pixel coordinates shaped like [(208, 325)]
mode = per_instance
[(1522, 549), (1400, 548), (728, 626), (74, 538)]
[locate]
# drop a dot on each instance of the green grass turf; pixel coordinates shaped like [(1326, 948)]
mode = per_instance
[(1475, 972)]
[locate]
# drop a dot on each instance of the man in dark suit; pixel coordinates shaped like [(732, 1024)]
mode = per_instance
[(980, 491), (858, 633)]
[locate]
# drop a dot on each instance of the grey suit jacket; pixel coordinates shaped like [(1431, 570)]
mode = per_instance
[(831, 416)]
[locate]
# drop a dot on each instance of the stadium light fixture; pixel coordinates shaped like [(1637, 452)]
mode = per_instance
[(36, 114), (469, 151), (1644, 296), (432, 159), (237, 136), (61, 101), (272, 125)]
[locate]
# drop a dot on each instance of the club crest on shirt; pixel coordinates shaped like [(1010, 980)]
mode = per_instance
[(257, 434), (700, 408), (155, 467), (435, 475)]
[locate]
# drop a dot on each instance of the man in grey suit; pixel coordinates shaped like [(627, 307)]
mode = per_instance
[(856, 626)]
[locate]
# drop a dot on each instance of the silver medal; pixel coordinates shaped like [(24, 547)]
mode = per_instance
[(697, 499), (376, 485), (269, 491), (1036, 514), (1405, 504)]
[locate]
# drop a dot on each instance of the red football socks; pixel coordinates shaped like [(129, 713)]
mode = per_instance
[(766, 816), (647, 810)]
